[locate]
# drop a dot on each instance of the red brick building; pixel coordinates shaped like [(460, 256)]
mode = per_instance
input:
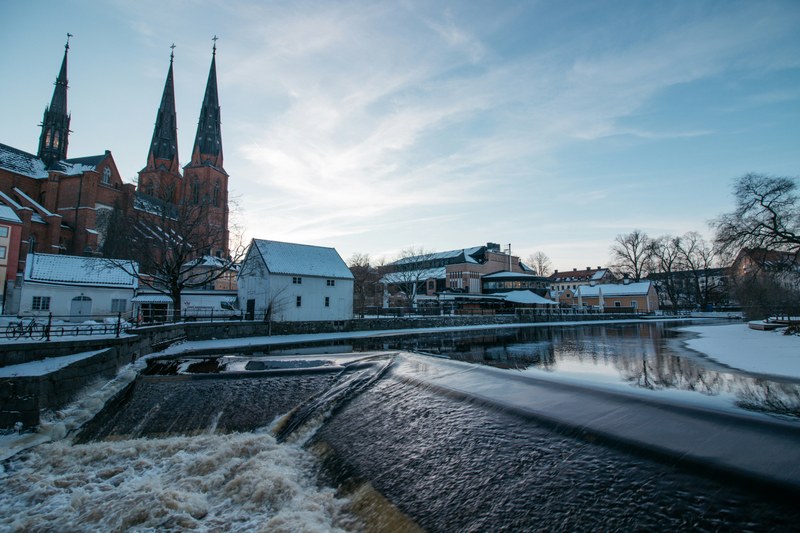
[(65, 205)]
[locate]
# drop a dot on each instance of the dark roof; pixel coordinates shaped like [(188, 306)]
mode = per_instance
[(590, 274), (165, 135), (89, 160), (771, 259), (505, 274), (208, 140), (20, 162)]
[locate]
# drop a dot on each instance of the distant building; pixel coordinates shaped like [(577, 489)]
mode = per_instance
[(692, 289), (75, 288), (504, 281), (640, 297), (294, 282), (572, 279), (424, 276)]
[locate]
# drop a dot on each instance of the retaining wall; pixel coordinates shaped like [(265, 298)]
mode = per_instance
[(23, 397)]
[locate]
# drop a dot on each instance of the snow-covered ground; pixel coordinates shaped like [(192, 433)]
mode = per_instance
[(738, 346)]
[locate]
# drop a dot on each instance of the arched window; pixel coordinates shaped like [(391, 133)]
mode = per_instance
[(55, 139), (196, 192), (216, 195)]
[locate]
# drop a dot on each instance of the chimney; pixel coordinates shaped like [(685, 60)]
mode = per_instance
[(599, 267), (574, 269), (625, 279), (555, 271), (588, 268)]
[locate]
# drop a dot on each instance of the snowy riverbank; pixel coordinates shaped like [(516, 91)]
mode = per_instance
[(737, 346)]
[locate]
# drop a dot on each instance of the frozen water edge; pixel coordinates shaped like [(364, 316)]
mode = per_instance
[(739, 347)]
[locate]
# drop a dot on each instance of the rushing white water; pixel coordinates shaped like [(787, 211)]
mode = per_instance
[(232, 482)]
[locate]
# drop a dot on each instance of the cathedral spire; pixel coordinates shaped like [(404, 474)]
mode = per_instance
[(208, 141), (55, 123), (164, 145)]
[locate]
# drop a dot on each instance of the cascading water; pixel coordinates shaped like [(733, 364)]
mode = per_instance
[(404, 451)]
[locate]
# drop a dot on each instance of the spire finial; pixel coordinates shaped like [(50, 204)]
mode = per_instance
[(66, 46), (172, 52), (214, 50)]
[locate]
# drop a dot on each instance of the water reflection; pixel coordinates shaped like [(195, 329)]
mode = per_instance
[(648, 357)]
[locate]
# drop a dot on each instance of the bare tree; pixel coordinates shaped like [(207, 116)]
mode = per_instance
[(697, 259), (171, 244), (763, 231), (540, 263), (366, 277), (666, 261), (767, 216), (407, 273), (632, 254)]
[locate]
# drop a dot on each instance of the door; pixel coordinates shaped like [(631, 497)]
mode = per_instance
[(251, 310), (80, 308)]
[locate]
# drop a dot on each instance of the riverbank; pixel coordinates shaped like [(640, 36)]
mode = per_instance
[(737, 346)]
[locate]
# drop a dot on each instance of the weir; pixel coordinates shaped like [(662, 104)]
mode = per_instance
[(449, 445)]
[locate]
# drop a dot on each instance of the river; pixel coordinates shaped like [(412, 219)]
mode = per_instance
[(375, 440)]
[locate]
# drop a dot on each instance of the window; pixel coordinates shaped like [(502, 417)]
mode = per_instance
[(41, 303), (327, 301), (2, 252), (119, 305), (617, 304), (633, 304), (299, 301), (3, 231), (297, 281), (106, 175), (331, 283)]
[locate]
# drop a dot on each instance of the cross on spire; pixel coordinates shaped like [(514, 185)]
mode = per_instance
[(172, 52), (215, 39), (68, 36)]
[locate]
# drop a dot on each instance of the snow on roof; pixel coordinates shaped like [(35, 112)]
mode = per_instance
[(438, 256), (526, 297), (302, 259), (614, 289), (23, 163), (410, 275), (507, 274), (152, 299), (78, 165), (589, 274), (7, 214), (76, 270), (36, 205)]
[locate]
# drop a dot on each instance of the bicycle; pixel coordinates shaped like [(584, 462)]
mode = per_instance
[(32, 329)]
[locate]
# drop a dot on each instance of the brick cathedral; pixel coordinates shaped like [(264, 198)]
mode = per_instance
[(51, 203)]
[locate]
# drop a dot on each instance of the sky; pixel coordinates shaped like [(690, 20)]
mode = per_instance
[(375, 127)]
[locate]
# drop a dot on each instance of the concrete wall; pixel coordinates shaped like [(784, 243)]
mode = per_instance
[(23, 397)]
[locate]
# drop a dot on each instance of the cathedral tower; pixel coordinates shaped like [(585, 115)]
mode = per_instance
[(55, 123), (205, 179), (161, 177)]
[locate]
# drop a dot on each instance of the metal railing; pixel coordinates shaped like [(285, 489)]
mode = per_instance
[(45, 328)]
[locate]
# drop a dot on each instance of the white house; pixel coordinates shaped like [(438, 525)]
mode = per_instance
[(295, 282), (76, 288)]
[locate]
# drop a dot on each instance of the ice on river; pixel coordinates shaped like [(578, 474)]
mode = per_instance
[(232, 482)]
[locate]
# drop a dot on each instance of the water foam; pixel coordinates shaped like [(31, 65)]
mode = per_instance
[(238, 482)]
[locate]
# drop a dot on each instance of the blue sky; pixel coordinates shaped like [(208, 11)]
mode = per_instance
[(377, 126)]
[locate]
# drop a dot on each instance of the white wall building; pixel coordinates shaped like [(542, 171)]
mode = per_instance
[(75, 288), (294, 282)]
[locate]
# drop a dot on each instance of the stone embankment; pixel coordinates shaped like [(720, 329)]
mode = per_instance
[(46, 375)]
